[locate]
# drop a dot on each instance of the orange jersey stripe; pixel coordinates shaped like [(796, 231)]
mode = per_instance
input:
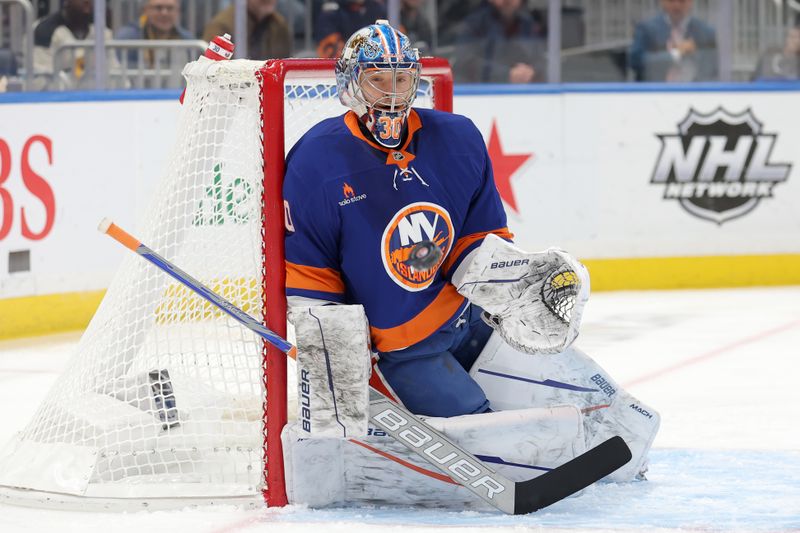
[(430, 319), (464, 242), (313, 278), (377, 382)]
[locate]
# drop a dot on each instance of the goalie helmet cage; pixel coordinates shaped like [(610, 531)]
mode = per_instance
[(168, 402)]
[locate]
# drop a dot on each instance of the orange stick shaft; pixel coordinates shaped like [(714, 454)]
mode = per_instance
[(123, 237)]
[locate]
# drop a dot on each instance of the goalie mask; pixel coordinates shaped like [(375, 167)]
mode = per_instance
[(377, 77)]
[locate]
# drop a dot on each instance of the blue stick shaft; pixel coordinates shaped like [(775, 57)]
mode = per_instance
[(223, 304)]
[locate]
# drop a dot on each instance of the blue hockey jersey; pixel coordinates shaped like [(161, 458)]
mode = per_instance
[(355, 209)]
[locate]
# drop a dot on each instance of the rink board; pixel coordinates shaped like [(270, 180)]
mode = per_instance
[(611, 173)]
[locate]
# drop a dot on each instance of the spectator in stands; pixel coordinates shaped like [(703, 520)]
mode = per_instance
[(268, 35), (73, 22), (159, 21), (293, 11), (450, 18), (338, 20), (674, 46), (781, 63), (416, 26), (499, 43)]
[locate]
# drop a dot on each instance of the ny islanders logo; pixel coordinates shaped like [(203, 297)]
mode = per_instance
[(417, 222)]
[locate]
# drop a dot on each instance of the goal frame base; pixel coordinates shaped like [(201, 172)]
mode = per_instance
[(38, 499)]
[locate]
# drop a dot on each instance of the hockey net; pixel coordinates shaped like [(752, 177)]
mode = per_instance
[(168, 401)]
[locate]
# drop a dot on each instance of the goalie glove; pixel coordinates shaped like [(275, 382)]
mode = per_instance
[(533, 300)]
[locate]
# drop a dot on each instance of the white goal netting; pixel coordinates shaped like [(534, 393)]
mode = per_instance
[(164, 399)]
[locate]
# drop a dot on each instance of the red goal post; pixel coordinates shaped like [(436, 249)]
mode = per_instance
[(274, 76)]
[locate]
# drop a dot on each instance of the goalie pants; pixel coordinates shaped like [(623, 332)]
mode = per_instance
[(432, 378)]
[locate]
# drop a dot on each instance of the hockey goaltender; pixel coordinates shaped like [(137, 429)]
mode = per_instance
[(402, 276)]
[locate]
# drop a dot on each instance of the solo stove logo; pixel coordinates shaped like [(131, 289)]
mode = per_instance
[(718, 164)]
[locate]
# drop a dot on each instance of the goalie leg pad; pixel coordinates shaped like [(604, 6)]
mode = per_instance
[(533, 300), (313, 468), (377, 470), (514, 380), (333, 365)]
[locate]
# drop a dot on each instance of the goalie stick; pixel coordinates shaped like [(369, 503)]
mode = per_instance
[(512, 497)]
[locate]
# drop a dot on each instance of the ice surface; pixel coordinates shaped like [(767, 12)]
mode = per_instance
[(720, 365)]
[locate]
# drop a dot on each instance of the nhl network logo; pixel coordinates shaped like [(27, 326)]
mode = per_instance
[(717, 165)]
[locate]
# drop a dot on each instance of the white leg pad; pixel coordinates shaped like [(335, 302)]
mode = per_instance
[(544, 437), (333, 366), (313, 468), (515, 380), (329, 472)]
